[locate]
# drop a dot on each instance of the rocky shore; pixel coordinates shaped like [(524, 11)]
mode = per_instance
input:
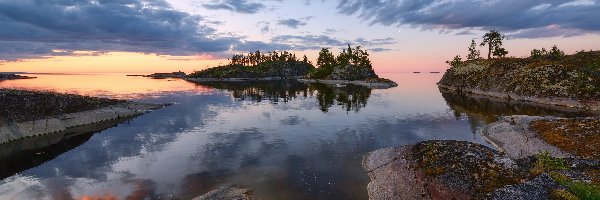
[(537, 158), (464, 170), (27, 114), (373, 84), (571, 81)]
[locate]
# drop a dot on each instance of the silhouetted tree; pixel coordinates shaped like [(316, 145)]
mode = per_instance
[(494, 41)]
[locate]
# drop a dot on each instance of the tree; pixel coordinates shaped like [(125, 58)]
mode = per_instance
[(456, 61), (494, 41), (556, 53), (474, 54)]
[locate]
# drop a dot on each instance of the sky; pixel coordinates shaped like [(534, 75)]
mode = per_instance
[(143, 36)]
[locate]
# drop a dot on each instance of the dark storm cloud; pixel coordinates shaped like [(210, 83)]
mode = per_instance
[(557, 17), (240, 6)]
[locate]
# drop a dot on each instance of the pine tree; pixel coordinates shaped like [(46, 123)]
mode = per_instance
[(474, 54)]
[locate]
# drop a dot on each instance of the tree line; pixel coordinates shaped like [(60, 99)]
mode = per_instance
[(257, 58), (327, 62), (493, 40)]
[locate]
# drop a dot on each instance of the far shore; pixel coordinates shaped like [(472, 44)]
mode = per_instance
[(372, 85)]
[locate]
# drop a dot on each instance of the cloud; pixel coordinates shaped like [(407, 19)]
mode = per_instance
[(573, 17), (294, 23), (240, 6), (306, 42), (33, 29), (264, 26)]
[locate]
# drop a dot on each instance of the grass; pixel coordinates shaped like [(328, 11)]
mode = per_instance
[(546, 163), (580, 189)]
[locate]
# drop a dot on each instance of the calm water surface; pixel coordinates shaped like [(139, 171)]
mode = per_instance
[(285, 140)]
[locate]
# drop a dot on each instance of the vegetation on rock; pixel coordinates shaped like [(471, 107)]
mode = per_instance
[(259, 65), (472, 168), (572, 76), (576, 136)]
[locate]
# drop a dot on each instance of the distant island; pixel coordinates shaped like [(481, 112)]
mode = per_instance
[(352, 66), (12, 76)]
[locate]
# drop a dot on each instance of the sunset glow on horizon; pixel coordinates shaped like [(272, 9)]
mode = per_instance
[(184, 35)]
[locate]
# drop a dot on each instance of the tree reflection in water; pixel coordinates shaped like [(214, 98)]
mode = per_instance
[(350, 97)]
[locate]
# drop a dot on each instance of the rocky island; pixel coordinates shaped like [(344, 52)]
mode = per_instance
[(556, 79), (352, 66)]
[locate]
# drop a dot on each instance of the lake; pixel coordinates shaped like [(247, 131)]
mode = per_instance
[(283, 139)]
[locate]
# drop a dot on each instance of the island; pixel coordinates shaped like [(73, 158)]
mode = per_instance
[(351, 66), (13, 76), (551, 78), (529, 157)]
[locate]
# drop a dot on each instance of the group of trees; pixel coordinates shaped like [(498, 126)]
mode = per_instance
[(553, 54), (493, 40), (256, 58), (351, 56)]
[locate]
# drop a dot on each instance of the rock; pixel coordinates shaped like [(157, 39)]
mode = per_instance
[(19, 130), (228, 193), (512, 135), (539, 188), (437, 170)]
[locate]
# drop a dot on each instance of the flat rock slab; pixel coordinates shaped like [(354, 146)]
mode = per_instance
[(513, 136), (437, 170), (228, 193), (63, 122)]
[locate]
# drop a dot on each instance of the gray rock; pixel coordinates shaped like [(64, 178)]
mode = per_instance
[(512, 135), (15, 131), (228, 193), (536, 189)]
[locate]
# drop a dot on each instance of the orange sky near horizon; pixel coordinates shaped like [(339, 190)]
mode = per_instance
[(428, 55)]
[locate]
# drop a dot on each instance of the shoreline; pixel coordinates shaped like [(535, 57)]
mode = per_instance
[(203, 80), (590, 106), (58, 124), (346, 82), (300, 79)]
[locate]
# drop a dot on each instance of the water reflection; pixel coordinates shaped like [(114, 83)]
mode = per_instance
[(274, 138), (349, 97), (481, 110)]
